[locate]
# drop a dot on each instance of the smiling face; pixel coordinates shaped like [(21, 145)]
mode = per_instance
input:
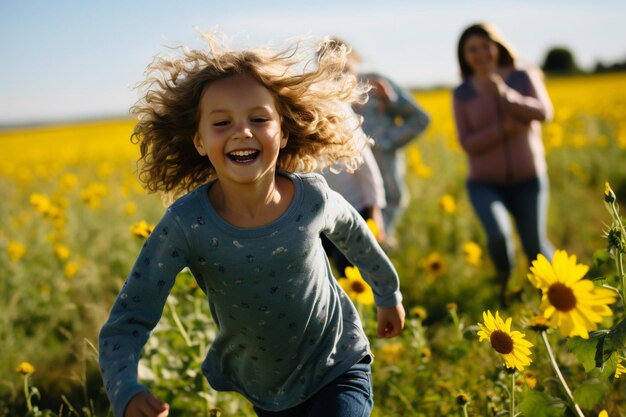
[(480, 54), (239, 130)]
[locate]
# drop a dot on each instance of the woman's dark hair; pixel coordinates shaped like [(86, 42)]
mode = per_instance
[(506, 55)]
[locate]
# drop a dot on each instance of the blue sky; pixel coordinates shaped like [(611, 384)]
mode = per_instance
[(63, 60)]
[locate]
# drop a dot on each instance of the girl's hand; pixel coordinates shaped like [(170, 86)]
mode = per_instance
[(390, 321), (382, 89), (145, 404)]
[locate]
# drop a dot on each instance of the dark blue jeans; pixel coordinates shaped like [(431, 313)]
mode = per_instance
[(350, 395), (527, 203)]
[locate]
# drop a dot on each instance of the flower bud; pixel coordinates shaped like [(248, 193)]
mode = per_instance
[(609, 195)]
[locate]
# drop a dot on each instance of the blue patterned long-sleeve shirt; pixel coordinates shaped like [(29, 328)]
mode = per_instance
[(286, 328), (393, 122)]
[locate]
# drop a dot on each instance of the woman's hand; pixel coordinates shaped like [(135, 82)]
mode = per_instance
[(390, 321), (494, 84), (511, 125), (145, 404)]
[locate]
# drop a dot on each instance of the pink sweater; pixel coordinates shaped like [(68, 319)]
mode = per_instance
[(494, 157)]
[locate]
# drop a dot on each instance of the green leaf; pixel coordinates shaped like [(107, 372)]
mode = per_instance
[(540, 404), (609, 342), (616, 338), (586, 349), (601, 257), (608, 370), (590, 392)]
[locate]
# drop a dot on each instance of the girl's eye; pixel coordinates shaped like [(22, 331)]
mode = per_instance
[(220, 123), (260, 119)]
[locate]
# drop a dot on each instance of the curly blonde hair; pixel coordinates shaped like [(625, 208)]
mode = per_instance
[(310, 96)]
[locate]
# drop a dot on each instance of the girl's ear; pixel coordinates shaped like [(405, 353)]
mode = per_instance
[(197, 141), (284, 139)]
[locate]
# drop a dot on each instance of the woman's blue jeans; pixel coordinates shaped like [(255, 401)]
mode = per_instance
[(527, 203), (350, 395)]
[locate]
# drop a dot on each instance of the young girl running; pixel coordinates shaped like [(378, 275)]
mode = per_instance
[(235, 136)]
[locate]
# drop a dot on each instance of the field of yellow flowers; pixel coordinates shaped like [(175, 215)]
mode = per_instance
[(73, 217)]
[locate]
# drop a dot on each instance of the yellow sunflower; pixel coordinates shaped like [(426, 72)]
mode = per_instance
[(472, 253), (447, 204), (61, 251), (530, 379), (356, 287), (16, 250), (511, 345), (620, 369), (435, 264), (25, 368), (141, 229), (371, 224), (572, 303), (418, 312)]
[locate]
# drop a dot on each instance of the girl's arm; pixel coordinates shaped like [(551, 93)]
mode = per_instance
[(137, 310), (413, 120), (349, 232), (475, 142)]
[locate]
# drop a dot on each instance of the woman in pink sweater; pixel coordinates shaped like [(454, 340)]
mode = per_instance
[(498, 110)]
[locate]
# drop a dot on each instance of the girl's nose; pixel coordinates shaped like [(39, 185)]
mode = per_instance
[(242, 131)]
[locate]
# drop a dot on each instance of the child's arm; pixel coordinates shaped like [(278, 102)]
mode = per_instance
[(349, 232), (413, 119), (137, 310), (390, 321)]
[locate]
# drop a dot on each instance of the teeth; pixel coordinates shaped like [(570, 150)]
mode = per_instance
[(247, 152)]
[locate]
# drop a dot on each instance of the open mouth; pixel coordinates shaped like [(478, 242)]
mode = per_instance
[(243, 156)]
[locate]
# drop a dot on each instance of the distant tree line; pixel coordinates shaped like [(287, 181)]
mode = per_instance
[(561, 61)]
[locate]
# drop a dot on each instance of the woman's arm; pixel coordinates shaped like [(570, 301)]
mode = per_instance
[(475, 142), (535, 105)]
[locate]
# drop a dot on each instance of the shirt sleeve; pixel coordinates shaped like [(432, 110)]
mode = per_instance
[(533, 104), (137, 309), (350, 233), (409, 119)]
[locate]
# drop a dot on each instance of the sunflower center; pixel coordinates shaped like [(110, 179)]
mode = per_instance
[(357, 287), (501, 342), (561, 297), (435, 266)]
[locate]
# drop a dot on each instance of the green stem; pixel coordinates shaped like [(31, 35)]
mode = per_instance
[(618, 259), (512, 404), (618, 220), (559, 375), (622, 277), (457, 323), (29, 404), (179, 324), (404, 399)]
